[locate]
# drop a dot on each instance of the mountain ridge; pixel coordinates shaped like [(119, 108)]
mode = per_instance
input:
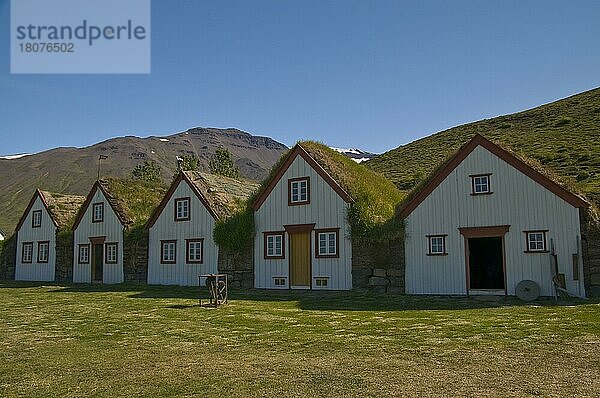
[(73, 170)]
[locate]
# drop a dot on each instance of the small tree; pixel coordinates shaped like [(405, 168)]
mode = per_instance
[(147, 171), (222, 163), (188, 163)]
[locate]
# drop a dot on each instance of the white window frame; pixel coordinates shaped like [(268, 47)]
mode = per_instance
[(326, 249), (112, 251), (29, 252), (84, 254), (540, 244), (272, 250), (45, 252), (98, 216), (36, 219), (279, 281), (433, 245), (182, 209), (481, 184), (168, 252), (298, 194), (193, 248)]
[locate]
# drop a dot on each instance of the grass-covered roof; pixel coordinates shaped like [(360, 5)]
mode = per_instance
[(62, 207), (373, 198), (225, 195), (553, 182), (133, 200)]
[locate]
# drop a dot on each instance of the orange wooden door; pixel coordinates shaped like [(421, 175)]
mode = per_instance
[(300, 259)]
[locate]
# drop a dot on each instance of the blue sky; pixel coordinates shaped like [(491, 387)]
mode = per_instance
[(368, 74)]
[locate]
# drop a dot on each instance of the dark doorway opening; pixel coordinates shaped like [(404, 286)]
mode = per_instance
[(97, 262), (486, 265)]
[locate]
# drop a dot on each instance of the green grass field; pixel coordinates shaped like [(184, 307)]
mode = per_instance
[(155, 341)]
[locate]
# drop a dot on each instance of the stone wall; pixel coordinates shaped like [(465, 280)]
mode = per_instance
[(8, 258), (135, 256), (239, 267), (63, 271), (590, 242), (378, 266)]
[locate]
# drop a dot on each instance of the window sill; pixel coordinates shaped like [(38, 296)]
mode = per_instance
[(274, 257), (327, 256), (536, 251), (437, 254), (481, 193), (298, 203)]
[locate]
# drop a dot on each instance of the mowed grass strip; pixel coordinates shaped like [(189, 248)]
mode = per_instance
[(156, 341)]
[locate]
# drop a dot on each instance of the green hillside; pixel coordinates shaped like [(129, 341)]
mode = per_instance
[(564, 136)]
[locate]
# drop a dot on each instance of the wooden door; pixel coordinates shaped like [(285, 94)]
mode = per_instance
[(300, 259), (97, 262)]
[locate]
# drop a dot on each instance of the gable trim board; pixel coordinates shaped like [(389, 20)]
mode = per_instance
[(503, 154), (296, 151), (95, 234), (36, 194), (25, 233), (495, 224), (325, 210), (97, 185), (163, 227), (180, 177)]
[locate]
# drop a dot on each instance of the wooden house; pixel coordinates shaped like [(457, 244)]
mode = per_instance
[(302, 238), (46, 214), (487, 220), (181, 245)]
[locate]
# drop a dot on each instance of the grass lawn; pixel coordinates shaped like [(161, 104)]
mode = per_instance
[(156, 341)]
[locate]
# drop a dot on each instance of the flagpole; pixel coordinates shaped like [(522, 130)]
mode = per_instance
[(100, 157)]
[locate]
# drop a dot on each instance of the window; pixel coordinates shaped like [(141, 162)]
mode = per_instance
[(536, 241), (84, 254), (279, 281), (480, 184), (42, 254), (437, 245), (27, 252), (299, 191), (327, 243), (194, 251), (36, 219), (321, 282), (168, 251), (182, 209), (274, 245), (98, 212), (110, 253)]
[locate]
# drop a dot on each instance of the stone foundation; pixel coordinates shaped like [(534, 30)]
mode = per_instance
[(590, 242), (135, 256), (8, 258), (239, 267), (378, 266), (63, 271)]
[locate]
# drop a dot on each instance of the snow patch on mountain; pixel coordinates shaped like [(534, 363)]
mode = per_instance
[(17, 156), (358, 155)]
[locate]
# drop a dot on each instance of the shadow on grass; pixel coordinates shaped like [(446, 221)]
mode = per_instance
[(306, 300)]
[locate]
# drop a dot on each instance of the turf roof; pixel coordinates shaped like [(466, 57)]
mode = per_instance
[(224, 195), (375, 198), (132, 200), (62, 207)]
